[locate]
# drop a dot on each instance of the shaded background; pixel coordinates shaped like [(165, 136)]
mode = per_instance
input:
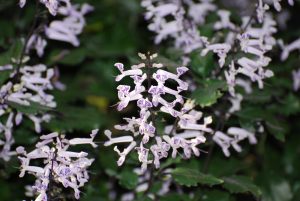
[(115, 32)]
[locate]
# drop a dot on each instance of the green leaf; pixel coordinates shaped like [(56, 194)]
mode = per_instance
[(278, 128), (291, 105), (69, 118), (202, 65), (16, 49), (70, 58), (175, 197), (128, 179), (240, 184), (13, 52), (209, 93), (4, 75), (213, 195), (192, 177), (33, 108)]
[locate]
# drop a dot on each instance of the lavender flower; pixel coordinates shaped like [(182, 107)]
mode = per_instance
[(59, 165), (233, 136), (150, 96), (32, 88)]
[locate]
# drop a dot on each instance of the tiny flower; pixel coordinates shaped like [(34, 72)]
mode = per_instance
[(111, 141), (124, 153), (22, 3)]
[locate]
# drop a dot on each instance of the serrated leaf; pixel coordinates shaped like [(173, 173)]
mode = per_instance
[(192, 177), (128, 179), (240, 184), (209, 93)]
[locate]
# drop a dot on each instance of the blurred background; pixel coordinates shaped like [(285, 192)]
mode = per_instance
[(115, 32)]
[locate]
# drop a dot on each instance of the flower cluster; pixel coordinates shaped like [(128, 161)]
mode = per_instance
[(60, 164), (28, 85), (232, 138), (151, 99), (32, 88), (66, 29), (180, 20), (169, 21), (254, 43)]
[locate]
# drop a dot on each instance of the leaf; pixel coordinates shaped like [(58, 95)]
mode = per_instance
[(240, 184), (175, 197), (278, 128), (13, 52), (33, 108), (192, 177), (213, 195), (209, 93), (4, 75), (202, 65), (66, 57), (128, 179), (69, 118), (291, 105)]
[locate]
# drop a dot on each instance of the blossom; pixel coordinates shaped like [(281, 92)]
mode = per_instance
[(295, 45), (52, 5), (38, 43), (22, 3), (296, 80), (232, 138), (221, 49), (32, 88), (225, 21), (71, 26), (59, 165), (151, 95), (167, 20), (261, 9)]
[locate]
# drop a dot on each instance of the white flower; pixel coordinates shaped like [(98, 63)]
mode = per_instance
[(124, 153), (225, 21), (260, 10), (38, 43), (22, 3), (295, 45), (220, 48), (72, 25), (143, 128), (232, 138), (59, 165), (296, 80)]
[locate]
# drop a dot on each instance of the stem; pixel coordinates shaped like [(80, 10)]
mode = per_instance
[(219, 126), (51, 181), (30, 33), (151, 179), (149, 76)]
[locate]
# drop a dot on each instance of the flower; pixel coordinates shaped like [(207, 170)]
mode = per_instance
[(232, 138), (59, 165), (72, 25), (296, 79), (149, 96), (32, 88)]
